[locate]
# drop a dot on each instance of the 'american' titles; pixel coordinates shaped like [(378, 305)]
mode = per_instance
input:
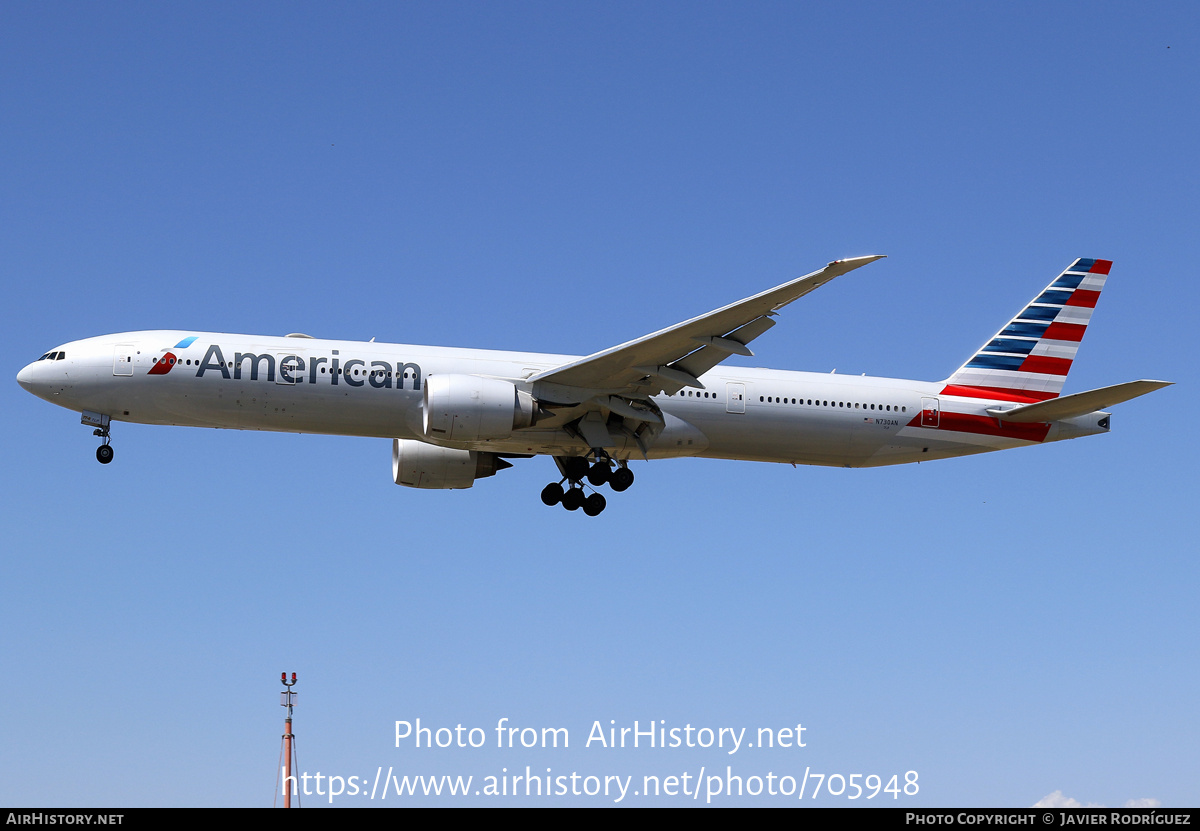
[(292, 369)]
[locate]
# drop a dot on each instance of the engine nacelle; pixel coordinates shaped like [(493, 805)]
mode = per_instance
[(416, 464), (473, 408)]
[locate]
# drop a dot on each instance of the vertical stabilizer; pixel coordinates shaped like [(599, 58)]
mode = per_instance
[(1028, 359)]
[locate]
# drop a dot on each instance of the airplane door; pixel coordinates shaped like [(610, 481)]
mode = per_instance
[(930, 414), (735, 398), (123, 359)]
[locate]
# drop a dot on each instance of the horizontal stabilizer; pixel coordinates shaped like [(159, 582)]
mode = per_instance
[(1081, 403)]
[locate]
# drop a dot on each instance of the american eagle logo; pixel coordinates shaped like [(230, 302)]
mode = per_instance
[(165, 363)]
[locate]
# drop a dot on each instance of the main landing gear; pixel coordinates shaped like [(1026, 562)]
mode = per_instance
[(575, 470)]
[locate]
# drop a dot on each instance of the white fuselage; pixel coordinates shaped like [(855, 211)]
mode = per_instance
[(305, 385)]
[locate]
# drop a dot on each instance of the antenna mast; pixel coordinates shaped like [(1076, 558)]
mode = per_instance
[(287, 698)]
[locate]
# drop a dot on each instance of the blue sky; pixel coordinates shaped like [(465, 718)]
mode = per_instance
[(562, 178)]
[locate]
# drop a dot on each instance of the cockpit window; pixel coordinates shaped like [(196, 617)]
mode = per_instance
[(61, 355), (51, 356), (44, 357)]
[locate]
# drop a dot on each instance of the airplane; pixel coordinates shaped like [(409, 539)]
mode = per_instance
[(459, 415)]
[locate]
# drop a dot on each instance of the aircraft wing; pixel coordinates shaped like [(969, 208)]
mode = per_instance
[(675, 357)]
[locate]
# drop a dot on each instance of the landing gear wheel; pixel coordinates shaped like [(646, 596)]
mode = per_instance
[(552, 494), (621, 479), (104, 454), (599, 473), (575, 467), (573, 499), (594, 504)]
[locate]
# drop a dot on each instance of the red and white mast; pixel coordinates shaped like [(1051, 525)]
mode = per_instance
[(287, 698)]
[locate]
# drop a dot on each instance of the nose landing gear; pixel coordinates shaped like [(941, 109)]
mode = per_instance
[(104, 453)]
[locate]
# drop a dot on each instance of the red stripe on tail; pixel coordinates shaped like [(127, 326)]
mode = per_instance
[(1083, 297), (1046, 365), (998, 393), (1065, 331)]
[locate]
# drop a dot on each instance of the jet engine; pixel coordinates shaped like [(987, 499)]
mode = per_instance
[(416, 464), (474, 408)]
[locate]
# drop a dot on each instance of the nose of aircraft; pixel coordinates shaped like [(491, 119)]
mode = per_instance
[(25, 377)]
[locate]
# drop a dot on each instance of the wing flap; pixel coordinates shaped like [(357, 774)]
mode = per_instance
[(705, 358)]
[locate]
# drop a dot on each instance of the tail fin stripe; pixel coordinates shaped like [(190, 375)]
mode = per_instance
[(1079, 315), (1013, 378), (1082, 297), (1046, 365), (1067, 281), (1019, 329), (1065, 331), (1040, 313), (1056, 349), (998, 393), (1055, 296), (1021, 346), (1091, 266), (982, 361)]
